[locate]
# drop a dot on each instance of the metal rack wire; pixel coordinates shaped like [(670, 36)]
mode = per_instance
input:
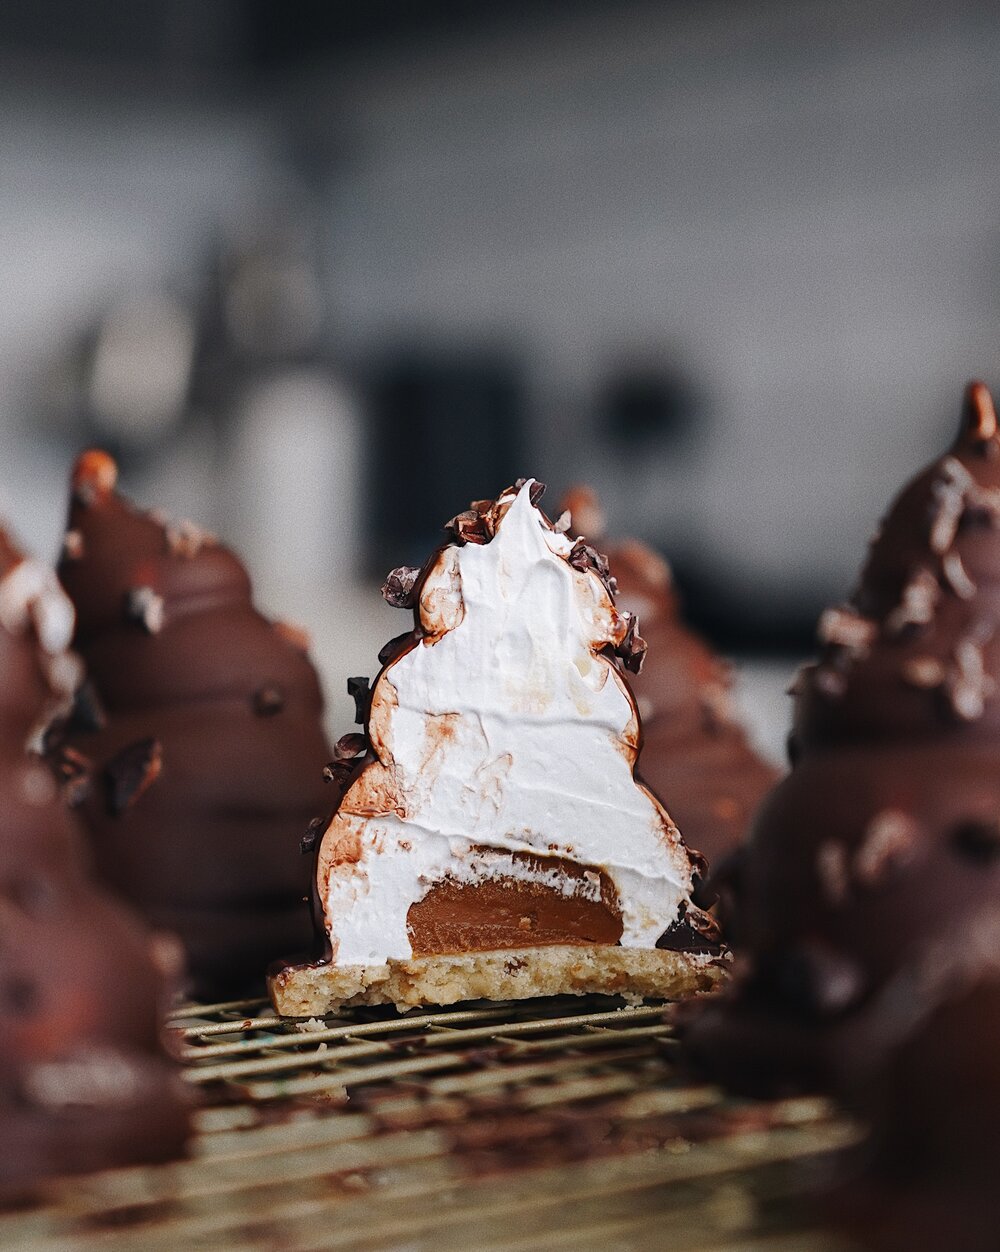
[(508, 1127)]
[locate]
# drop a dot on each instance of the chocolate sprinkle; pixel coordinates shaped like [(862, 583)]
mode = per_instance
[(399, 588), (131, 772)]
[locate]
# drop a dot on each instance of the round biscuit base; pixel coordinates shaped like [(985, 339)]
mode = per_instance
[(508, 974)]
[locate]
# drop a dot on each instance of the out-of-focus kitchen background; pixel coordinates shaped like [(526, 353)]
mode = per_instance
[(319, 273)]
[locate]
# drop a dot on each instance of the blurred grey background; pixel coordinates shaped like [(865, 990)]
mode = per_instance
[(322, 272)]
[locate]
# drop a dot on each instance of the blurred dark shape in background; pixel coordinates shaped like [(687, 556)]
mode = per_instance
[(441, 433), (320, 272)]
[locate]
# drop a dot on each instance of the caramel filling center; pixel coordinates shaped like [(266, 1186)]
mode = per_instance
[(522, 909)]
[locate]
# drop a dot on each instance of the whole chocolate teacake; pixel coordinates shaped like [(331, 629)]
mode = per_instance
[(84, 1083), (694, 748), (202, 724), (869, 864)]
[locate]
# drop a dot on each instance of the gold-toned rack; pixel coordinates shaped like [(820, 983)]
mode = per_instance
[(507, 1127)]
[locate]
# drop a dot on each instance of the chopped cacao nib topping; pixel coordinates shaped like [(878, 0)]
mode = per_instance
[(73, 771), (584, 556), (693, 931), (87, 713), (536, 491), (349, 746), (888, 844), (131, 772), (924, 671), (399, 588), (948, 503), (359, 691), (72, 548), (968, 685), (184, 538), (389, 650), (267, 701), (844, 627), (956, 577), (978, 839), (471, 526), (307, 843), (632, 648), (145, 607), (917, 603)]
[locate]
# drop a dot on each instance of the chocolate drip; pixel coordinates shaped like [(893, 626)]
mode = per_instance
[(212, 746), (83, 1081)]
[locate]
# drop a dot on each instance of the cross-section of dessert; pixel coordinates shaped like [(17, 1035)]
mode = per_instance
[(84, 1083), (492, 839), (200, 733), (694, 749)]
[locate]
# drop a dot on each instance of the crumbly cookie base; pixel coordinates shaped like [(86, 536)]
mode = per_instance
[(510, 974)]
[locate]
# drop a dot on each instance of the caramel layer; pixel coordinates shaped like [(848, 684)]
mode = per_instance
[(515, 912)]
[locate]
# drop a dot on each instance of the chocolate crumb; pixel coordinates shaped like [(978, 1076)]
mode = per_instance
[(358, 690), (399, 588), (267, 701), (144, 607), (131, 772)]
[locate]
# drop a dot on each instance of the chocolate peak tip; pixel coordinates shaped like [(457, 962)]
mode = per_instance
[(95, 475), (979, 418)]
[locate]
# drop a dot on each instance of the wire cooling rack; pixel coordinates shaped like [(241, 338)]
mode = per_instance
[(545, 1124)]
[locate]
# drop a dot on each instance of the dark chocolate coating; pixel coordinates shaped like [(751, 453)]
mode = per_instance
[(882, 844), (84, 1083), (695, 755), (230, 706)]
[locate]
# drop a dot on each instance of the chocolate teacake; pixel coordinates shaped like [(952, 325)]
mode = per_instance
[(84, 1083), (870, 863), (201, 725)]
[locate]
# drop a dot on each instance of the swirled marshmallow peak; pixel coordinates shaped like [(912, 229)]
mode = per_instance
[(501, 730)]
